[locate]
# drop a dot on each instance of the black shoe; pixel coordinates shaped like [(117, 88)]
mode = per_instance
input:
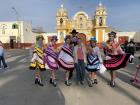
[(90, 84), (40, 84), (112, 83), (6, 67), (54, 83), (36, 81), (67, 83), (95, 81), (51, 81)]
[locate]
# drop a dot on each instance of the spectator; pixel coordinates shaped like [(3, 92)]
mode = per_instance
[(2, 59), (125, 46), (131, 49)]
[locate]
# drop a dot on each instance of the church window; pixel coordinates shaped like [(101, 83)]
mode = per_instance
[(61, 21), (14, 26), (100, 21), (81, 18)]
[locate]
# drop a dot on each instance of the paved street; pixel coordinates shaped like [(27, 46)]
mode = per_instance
[(17, 86)]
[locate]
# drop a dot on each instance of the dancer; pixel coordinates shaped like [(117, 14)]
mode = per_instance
[(115, 57), (51, 62), (80, 61), (37, 63), (93, 61), (66, 60)]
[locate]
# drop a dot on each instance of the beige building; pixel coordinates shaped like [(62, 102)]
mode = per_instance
[(82, 23), (16, 34)]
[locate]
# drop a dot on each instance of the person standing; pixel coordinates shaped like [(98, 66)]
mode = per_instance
[(37, 62), (66, 60), (2, 59), (73, 44), (94, 59), (125, 46), (131, 49), (80, 61), (115, 57), (51, 59)]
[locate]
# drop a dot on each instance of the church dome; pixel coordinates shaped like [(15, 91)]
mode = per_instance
[(100, 7), (62, 12), (100, 10)]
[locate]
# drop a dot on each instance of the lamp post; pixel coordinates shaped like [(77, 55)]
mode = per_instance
[(18, 22)]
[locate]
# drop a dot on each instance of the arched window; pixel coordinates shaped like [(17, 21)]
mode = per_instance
[(100, 21), (61, 21), (14, 26)]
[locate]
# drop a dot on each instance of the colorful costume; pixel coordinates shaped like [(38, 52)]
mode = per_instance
[(51, 57), (66, 60), (115, 57), (37, 60), (93, 60)]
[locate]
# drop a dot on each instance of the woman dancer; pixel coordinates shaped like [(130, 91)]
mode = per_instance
[(51, 62), (93, 61), (37, 63), (66, 60), (115, 57)]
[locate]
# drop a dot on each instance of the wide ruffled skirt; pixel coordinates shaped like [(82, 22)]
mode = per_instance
[(116, 61)]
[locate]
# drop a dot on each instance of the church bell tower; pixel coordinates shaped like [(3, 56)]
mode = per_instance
[(63, 23), (100, 23)]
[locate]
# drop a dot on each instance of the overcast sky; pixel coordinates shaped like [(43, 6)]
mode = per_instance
[(122, 14)]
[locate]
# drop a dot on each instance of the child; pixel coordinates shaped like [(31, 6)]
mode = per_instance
[(93, 60)]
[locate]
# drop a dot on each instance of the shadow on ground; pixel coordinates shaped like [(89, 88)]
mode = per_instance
[(17, 86)]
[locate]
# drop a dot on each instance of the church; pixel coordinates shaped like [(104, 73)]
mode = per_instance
[(20, 34), (82, 23)]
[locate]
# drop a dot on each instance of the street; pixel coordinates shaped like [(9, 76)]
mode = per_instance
[(17, 86)]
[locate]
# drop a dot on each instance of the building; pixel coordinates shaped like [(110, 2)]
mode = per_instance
[(16, 34), (82, 23), (20, 34)]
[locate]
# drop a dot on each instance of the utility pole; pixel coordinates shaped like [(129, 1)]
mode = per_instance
[(18, 22)]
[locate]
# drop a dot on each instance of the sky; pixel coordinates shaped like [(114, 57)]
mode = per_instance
[(122, 14)]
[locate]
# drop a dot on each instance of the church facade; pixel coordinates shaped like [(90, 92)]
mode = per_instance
[(95, 26)]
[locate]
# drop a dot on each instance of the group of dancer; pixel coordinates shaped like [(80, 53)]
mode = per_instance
[(74, 55)]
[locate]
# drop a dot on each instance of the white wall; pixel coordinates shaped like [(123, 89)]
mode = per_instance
[(25, 32), (28, 36), (5, 37)]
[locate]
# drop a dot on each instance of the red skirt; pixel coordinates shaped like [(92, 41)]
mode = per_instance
[(117, 61)]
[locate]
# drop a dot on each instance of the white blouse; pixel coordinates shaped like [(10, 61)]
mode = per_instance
[(96, 51)]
